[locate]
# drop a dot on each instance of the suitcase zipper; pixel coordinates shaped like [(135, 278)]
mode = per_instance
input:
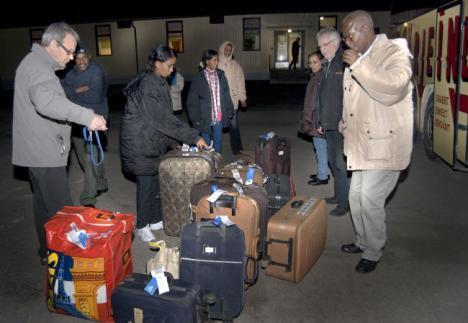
[(215, 261)]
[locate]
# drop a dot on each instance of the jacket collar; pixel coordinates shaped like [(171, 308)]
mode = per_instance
[(39, 50)]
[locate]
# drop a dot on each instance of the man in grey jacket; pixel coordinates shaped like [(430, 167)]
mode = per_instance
[(41, 123)]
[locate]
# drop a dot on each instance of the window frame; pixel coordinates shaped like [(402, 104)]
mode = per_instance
[(103, 33), (175, 31), (251, 34)]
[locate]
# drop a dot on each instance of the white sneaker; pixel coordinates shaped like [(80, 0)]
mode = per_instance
[(156, 226), (145, 234)]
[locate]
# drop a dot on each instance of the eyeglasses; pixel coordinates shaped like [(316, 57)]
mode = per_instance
[(68, 51), (325, 44)]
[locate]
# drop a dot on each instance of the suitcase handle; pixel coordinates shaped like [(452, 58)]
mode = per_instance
[(225, 201), (267, 257), (106, 216), (252, 280)]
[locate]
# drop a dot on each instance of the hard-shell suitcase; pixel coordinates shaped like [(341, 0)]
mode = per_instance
[(244, 172), (131, 303), (214, 258), (296, 238), (178, 172), (273, 154), (80, 278), (257, 193), (280, 189)]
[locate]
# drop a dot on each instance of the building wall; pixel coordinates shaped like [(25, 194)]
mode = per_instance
[(199, 35)]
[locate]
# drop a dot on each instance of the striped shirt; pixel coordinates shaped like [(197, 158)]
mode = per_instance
[(213, 82)]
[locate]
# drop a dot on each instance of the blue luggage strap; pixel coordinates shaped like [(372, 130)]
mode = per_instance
[(88, 138)]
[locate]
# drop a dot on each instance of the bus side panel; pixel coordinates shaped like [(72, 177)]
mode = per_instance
[(421, 38), (462, 145), (445, 82)]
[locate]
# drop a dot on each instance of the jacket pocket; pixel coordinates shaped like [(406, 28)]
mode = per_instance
[(379, 141)]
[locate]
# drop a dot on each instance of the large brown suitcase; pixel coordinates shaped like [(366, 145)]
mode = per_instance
[(241, 209), (258, 193), (178, 172), (273, 154), (296, 238)]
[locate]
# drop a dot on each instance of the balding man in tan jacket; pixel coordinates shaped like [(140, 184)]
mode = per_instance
[(377, 126)]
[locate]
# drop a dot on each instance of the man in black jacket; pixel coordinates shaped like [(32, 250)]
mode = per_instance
[(86, 84), (330, 109)]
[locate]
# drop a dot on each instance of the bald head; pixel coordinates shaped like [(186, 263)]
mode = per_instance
[(358, 31), (360, 18)]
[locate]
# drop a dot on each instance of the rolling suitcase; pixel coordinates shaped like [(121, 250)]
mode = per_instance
[(131, 303), (214, 257), (257, 193), (178, 172), (296, 238), (243, 211), (273, 154), (82, 275)]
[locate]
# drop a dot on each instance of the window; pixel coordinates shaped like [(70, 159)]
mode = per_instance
[(175, 35), (251, 40), (103, 40), (35, 35), (327, 21)]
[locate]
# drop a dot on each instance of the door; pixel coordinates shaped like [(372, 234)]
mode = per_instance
[(283, 44)]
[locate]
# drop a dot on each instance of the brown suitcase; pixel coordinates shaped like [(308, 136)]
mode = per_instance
[(258, 193), (296, 238), (239, 171), (244, 212), (273, 154), (178, 172)]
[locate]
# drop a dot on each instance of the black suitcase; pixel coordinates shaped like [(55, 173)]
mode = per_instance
[(214, 258), (280, 189), (131, 303)]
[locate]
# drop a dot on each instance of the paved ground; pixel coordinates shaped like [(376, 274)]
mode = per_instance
[(421, 278)]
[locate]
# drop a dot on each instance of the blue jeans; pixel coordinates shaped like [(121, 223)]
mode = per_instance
[(216, 135), (320, 145)]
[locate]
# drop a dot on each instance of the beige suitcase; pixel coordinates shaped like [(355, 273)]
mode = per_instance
[(296, 237)]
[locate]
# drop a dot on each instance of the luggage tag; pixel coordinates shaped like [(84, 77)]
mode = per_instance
[(236, 175), (215, 196), (185, 147), (222, 219), (76, 236), (250, 176), (158, 282)]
